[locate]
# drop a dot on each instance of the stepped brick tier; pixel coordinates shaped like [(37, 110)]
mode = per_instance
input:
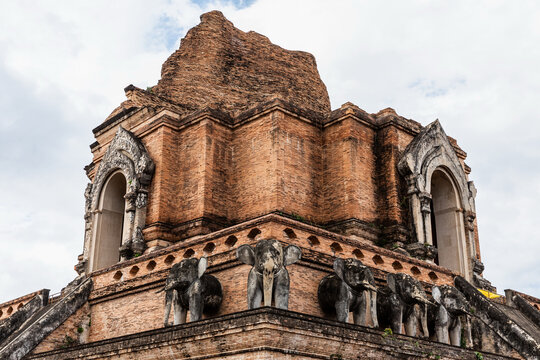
[(237, 145)]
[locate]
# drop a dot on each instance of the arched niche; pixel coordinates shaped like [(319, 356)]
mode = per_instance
[(431, 168), (125, 155), (447, 228), (109, 222)]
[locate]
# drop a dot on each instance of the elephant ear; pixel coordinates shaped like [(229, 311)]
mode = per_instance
[(391, 281), (246, 254), (436, 293), (339, 268), (291, 254), (203, 264)]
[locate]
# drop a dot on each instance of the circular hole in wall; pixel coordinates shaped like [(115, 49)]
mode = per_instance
[(289, 233), (117, 275), (189, 253), (358, 254), (377, 260), (169, 260), (397, 265), (231, 241), (254, 233), (209, 248), (134, 270), (151, 265), (433, 276), (415, 271), (336, 248)]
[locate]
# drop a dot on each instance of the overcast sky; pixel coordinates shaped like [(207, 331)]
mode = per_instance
[(475, 65)]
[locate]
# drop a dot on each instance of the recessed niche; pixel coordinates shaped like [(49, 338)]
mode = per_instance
[(117, 275), (415, 271), (397, 265), (433, 276), (289, 233), (169, 260), (1, 313), (151, 265), (313, 241), (189, 253), (377, 260), (20, 306), (336, 248), (9, 310), (209, 248), (358, 254), (134, 270), (254, 233), (231, 241)]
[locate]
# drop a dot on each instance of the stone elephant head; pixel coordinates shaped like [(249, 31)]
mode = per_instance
[(404, 301), (450, 306), (347, 291), (268, 278), (189, 288)]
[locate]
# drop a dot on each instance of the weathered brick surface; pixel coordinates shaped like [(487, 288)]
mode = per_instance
[(218, 65), (70, 333), (124, 299), (265, 333)]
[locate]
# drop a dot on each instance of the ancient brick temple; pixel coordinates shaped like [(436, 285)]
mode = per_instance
[(236, 146)]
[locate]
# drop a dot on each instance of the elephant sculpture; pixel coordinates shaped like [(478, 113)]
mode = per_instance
[(189, 288), (268, 278), (403, 300), (347, 291), (450, 306)]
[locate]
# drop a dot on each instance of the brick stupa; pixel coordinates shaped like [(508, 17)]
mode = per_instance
[(237, 143)]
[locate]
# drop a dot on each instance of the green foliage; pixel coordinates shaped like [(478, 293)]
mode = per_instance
[(80, 329), (387, 332), (479, 355)]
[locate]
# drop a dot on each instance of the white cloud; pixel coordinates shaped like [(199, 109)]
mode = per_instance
[(64, 64)]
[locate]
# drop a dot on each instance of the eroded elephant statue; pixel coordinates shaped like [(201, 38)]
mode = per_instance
[(446, 315), (189, 288), (403, 301), (348, 290), (268, 278)]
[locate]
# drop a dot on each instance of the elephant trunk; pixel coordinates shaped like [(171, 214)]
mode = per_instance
[(268, 281)]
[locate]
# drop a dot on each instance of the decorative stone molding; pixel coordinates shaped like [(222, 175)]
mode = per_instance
[(127, 154), (431, 150)]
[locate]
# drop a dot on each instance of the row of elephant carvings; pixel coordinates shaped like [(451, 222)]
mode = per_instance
[(351, 288)]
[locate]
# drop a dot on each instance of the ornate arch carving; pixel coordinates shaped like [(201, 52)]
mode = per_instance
[(431, 150), (126, 153)]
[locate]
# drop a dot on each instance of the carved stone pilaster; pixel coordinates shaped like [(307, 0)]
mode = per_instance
[(142, 199), (425, 202), (469, 220), (138, 244)]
